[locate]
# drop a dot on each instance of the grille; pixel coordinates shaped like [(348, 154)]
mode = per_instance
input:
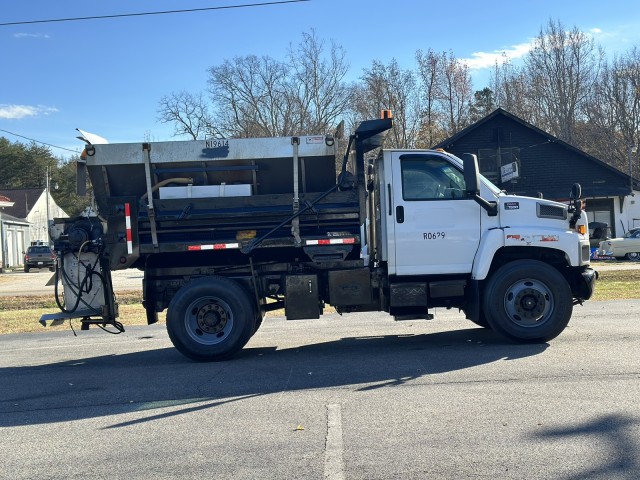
[(551, 211)]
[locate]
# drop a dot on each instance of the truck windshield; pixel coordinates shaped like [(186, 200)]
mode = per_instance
[(490, 185), (495, 190)]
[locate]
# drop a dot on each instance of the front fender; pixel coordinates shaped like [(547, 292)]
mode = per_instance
[(491, 242), (565, 241)]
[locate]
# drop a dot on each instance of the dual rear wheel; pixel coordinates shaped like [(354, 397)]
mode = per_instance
[(212, 318)]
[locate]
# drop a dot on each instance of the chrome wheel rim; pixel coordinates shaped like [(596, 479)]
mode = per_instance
[(528, 303), (208, 320)]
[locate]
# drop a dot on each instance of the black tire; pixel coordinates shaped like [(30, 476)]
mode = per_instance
[(211, 319), (482, 321), (258, 322), (26, 269), (528, 301), (633, 256)]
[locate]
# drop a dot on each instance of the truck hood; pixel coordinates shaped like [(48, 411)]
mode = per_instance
[(517, 211)]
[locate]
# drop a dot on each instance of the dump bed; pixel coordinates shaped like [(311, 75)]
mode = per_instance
[(219, 194)]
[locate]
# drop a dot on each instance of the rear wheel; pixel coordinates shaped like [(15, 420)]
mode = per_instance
[(259, 317), (210, 319), (26, 269), (633, 256), (528, 301), (481, 321)]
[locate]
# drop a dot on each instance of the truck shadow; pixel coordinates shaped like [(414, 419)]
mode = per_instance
[(147, 381), (614, 436)]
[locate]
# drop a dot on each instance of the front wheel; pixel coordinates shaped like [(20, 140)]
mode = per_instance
[(633, 256), (210, 319), (528, 301)]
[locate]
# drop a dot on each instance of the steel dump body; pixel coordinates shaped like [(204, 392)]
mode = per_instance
[(220, 195)]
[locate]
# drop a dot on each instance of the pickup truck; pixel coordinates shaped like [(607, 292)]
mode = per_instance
[(39, 256)]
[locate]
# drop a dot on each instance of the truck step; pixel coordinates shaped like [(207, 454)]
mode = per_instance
[(422, 316)]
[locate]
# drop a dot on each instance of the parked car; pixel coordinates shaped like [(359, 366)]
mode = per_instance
[(39, 256), (628, 246)]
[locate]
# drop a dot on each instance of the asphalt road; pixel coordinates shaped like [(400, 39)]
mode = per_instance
[(352, 397)]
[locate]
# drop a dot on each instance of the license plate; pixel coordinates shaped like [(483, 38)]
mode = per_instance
[(40, 263)]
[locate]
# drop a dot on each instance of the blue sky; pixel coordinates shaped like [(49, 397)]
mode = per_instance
[(107, 76)]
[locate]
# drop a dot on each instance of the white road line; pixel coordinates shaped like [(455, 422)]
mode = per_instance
[(333, 460)]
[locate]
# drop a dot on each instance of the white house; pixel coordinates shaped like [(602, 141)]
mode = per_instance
[(14, 234), (627, 212), (25, 212)]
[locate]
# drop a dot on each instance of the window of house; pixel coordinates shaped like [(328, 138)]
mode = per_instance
[(491, 159)]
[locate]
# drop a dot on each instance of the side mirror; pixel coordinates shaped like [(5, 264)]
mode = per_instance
[(575, 204), (576, 191), (471, 174), (472, 184)]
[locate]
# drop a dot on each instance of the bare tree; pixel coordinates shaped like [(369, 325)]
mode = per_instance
[(455, 93), (390, 87), (511, 89), (446, 95), (562, 68), (613, 111), (255, 97), (429, 66), (188, 113), (250, 97), (318, 86)]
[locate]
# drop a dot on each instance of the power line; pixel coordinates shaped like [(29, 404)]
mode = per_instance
[(141, 14), (38, 141)]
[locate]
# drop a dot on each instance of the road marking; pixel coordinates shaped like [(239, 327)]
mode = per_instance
[(333, 460)]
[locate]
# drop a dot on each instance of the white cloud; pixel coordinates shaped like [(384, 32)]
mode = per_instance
[(481, 60), (31, 35), (14, 112)]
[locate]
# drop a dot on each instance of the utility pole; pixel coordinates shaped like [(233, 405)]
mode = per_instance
[(632, 150), (3, 253), (46, 231)]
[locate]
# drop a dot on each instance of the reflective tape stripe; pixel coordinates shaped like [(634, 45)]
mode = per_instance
[(331, 241), (215, 246), (127, 221)]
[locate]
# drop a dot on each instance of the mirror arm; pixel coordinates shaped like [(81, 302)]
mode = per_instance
[(490, 207)]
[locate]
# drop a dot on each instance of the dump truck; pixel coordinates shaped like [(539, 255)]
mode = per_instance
[(226, 230)]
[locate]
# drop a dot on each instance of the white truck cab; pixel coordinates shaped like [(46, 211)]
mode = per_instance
[(432, 226), (439, 219)]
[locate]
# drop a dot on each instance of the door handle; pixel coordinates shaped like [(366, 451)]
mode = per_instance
[(400, 214)]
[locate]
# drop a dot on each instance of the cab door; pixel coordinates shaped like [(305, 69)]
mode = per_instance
[(436, 228)]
